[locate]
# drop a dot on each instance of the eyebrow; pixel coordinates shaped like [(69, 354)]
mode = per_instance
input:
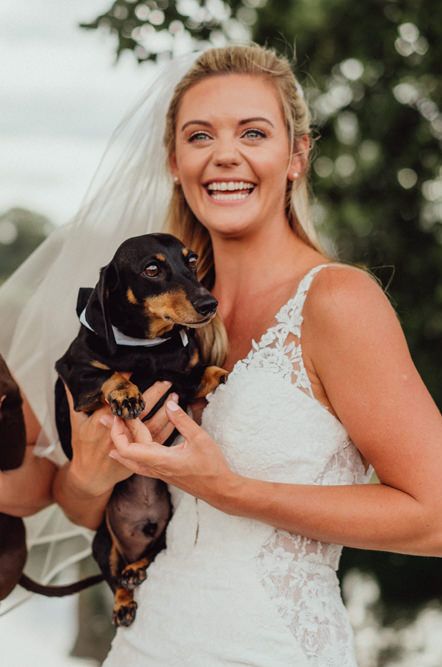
[(244, 121)]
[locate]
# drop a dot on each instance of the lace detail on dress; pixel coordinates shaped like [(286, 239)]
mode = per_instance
[(306, 595), (299, 574), (307, 598)]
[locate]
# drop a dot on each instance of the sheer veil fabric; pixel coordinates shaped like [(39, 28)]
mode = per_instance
[(129, 196)]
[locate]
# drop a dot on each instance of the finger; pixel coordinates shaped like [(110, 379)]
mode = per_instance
[(77, 417), (138, 431), (185, 424), (163, 435), (160, 419), (135, 451), (137, 468), (153, 394)]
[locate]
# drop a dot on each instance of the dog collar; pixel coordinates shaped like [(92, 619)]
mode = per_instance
[(122, 339)]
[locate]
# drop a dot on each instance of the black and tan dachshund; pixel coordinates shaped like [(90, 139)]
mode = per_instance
[(141, 317)]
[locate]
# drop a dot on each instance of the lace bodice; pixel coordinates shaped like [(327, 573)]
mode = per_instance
[(268, 584)]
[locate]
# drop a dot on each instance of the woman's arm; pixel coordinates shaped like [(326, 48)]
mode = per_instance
[(26, 490), (83, 486), (362, 359)]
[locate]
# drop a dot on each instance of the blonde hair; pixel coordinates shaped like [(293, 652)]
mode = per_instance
[(181, 221)]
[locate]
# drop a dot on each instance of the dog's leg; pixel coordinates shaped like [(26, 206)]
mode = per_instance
[(134, 574), (125, 607), (212, 377)]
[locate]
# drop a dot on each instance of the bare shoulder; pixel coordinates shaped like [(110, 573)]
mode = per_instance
[(351, 321), (347, 309), (359, 353), (341, 291)]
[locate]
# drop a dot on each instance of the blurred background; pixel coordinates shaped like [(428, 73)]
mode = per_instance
[(371, 72)]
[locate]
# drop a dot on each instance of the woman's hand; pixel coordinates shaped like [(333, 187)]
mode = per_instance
[(195, 465), (83, 486), (94, 471)]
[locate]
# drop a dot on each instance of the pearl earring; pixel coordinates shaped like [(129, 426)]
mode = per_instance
[(176, 179), (296, 174)]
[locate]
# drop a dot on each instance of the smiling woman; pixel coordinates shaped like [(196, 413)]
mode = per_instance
[(274, 480)]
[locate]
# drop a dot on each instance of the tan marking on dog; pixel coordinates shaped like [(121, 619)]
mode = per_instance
[(167, 309), (160, 257), (99, 365), (118, 385), (212, 377), (194, 359), (118, 388), (131, 297), (140, 564), (185, 251), (114, 560)]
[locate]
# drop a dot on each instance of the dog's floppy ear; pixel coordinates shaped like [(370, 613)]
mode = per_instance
[(97, 309)]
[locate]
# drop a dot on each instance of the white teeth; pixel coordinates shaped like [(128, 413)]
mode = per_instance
[(224, 197), (230, 185)]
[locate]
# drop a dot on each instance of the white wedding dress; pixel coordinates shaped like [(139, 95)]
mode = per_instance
[(231, 591)]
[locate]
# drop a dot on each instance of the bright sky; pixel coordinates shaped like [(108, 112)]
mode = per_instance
[(60, 98)]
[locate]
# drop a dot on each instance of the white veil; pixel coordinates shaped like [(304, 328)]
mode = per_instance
[(129, 196)]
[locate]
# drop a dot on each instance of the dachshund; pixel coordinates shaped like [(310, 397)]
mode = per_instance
[(141, 317)]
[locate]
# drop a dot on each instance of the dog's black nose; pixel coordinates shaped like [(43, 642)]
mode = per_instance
[(205, 305)]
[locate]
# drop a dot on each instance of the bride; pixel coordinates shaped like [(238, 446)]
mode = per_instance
[(321, 391)]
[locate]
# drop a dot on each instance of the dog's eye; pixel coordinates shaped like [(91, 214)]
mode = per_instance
[(151, 270), (193, 262)]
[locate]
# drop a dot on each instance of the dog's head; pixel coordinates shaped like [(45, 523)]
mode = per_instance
[(149, 287)]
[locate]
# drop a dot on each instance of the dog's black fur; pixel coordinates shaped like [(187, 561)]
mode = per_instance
[(12, 452), (13, 551), (148, 290)]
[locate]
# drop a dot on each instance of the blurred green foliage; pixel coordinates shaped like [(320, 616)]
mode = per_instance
[(371, 73), (21, 231)]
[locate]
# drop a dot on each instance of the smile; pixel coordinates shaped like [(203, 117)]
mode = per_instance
[(229, 191)]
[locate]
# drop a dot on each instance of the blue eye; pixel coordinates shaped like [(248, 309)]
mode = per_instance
[(258, 133), (197, 135)]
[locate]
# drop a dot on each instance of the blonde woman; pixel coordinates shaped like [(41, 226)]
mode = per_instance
[(322, 390)]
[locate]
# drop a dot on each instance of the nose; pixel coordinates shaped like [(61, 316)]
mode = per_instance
[(205, 305), (225, 153)]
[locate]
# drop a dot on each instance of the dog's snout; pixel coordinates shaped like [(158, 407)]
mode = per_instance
[(205, 305)]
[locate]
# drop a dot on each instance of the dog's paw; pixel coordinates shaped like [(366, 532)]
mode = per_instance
[(131, 577), (212, 377), (124, 614), (124, 405)]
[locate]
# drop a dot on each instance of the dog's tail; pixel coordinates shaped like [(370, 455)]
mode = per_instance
[(59, 591)]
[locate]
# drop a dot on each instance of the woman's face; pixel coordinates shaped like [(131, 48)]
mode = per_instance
[(232, 154)]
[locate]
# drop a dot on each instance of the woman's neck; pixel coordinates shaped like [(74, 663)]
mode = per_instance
[(251, 267)]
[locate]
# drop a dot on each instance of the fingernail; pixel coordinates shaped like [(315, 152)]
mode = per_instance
[(106, 421), (172, 406), (113, 454), (174, 397)]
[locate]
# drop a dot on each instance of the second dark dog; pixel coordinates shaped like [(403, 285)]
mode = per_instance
[(140, 317)]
